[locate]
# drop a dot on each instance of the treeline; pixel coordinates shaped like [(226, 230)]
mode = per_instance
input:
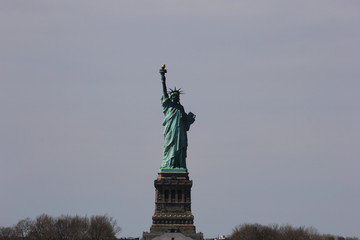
[(66, 227), (275, 232)]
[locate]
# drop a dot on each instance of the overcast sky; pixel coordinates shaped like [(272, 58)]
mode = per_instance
[(274, 84)]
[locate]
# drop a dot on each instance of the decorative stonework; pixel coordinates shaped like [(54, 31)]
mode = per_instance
[(173, 207)]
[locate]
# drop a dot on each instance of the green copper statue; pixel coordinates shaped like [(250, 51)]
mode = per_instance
[(176, 124)]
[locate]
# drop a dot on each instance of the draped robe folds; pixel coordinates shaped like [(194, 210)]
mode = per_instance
[(176, 124)]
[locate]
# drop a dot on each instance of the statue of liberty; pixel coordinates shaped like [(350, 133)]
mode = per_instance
[(176, 123)]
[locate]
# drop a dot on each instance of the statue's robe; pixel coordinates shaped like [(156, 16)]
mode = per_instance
[(176, 124)]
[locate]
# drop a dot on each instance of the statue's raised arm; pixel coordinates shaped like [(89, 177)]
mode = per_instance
[(163, 80), (176, 124)]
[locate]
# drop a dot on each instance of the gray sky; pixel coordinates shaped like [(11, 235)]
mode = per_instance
[(274, 84)]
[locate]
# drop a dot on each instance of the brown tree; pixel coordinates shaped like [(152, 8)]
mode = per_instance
[(23, 228), (64, 227), (71, 228), (7, 233), (274, 232), (103, 228), (43, 228)]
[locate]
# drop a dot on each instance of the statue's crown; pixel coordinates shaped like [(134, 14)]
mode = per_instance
[(178, 91)]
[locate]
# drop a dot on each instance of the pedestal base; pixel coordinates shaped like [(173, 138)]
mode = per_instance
[(172, 236), (172, 208)]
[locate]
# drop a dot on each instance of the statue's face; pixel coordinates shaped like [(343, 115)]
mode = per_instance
[(175, 97)]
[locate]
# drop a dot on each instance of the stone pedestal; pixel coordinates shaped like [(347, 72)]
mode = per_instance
[(172, 207)]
